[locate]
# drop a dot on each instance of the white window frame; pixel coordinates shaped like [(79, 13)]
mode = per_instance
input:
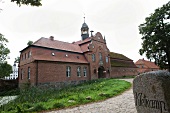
[(93, 57), (29, 73), (107, 59), (79, 71), (68, 71), (85, 71), (100, 56)]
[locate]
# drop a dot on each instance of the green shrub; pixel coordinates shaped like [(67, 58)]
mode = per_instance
[(36, 99), (38, 107), (58, 105)]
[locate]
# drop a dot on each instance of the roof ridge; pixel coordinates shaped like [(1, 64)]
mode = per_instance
[(121, 55), (38, 40), (58, 41), (56, 44)]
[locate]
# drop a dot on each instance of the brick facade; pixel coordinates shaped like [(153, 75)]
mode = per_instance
[(146, 66), (123, 71), (49, 62), (122, 66)]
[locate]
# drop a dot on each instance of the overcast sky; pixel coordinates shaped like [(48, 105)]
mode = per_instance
[(117, 20)]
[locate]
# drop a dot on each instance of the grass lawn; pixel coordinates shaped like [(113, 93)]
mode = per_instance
[(36, 99)]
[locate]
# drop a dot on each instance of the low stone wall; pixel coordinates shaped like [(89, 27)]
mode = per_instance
[(8, 84)]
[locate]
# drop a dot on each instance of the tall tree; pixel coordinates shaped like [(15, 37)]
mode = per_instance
[(17, 60), (28, 2), (156, 36), (4, 51), (5, 69)]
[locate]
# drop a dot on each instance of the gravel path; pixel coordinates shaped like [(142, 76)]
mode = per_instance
[(123, 103)]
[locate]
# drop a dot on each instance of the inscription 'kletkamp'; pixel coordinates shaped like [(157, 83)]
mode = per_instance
[(141, 100)]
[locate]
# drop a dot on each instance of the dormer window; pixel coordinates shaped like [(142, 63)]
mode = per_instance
[(53, 54)]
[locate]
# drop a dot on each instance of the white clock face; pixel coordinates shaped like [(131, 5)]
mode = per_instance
[(84, 32)]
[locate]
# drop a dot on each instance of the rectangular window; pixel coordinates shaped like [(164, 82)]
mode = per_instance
[(78, 71), (22, 74), (22, 57), (100, 56), (28, 72), (68, 71), (29, 54), (107, 60), (85, 71), (25, 55), (93, 57)]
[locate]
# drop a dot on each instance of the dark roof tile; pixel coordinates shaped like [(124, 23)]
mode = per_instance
[(55, 44)]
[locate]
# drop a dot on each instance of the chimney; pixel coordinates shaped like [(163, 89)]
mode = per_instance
[(91, 33), (143, 58), (51, 38)]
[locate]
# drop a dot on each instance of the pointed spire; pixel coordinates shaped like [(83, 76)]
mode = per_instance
[(84, 19), (104, 39)]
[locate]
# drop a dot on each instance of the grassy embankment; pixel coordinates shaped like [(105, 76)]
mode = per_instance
[(36, 99)]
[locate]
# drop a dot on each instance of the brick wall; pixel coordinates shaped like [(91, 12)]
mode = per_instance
[(46, 72), (6, 85), (56, 72), (123, 71), (96, 46)]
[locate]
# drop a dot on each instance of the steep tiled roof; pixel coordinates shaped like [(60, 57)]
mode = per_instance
[(118, 56), (122, 63), (60, 56), (84, 41), (119, 60), (71, 53), (55, 44), (147, 63)]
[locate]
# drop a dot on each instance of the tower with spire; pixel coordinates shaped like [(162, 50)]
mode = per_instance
[(84, 30)]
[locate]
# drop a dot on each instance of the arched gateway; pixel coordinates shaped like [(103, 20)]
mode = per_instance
[(101, 73)]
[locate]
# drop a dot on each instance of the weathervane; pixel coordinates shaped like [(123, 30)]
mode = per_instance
[(84, 17)]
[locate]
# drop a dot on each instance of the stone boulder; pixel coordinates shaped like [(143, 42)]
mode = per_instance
[(152, 92)]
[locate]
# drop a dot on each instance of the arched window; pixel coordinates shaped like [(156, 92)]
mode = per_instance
[(100, 56)]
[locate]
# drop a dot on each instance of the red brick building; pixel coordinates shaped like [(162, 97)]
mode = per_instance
[(51, 62), (146, 66), (122, 65)]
